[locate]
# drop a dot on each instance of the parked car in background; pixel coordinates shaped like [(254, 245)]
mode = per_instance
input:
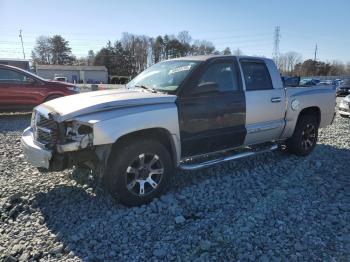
[(189, 113), (344, 88), (60, 78), (327, 82), (309, 82), (344, 107), (337, 82), (22, 90)]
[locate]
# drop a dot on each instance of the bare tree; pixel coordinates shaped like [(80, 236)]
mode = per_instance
[(292, 58), (138, 47), (348, 68), (286, 62), (202, 47), (282, 64), (184, 37), (42, 50), (337, 68), (157, 49)]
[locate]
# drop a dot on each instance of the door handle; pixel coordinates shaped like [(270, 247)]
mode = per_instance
[(276, 99)]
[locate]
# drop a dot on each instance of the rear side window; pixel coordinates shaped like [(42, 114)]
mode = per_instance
[(224, 74), (4, 75), (256, 76), (11, 76)]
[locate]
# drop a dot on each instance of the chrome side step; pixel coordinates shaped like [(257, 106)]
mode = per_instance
[(224, 159)]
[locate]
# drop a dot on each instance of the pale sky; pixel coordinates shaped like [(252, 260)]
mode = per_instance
[(248, 25)]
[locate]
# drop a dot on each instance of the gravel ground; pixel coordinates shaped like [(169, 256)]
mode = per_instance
[(272, 207)]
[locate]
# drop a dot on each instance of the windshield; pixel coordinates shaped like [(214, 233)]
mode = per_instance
[(164, 76), (31, 74)]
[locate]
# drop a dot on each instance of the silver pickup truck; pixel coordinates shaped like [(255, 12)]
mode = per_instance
[(185, 113)]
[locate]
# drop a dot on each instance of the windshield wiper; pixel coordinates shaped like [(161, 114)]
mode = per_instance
[(147, 88)]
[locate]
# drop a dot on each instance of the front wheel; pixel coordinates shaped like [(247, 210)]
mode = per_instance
[(138, 171), (305, 136)]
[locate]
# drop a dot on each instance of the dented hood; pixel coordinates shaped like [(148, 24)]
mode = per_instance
[(85, 103)]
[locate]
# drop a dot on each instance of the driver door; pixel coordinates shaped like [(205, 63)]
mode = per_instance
[(212, 114)]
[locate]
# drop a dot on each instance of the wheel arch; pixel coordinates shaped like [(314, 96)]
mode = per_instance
[(157, 133), (313, 111), (53, 96), (293, 117)]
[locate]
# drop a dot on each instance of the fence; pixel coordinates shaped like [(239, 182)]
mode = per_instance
[(328, 77)]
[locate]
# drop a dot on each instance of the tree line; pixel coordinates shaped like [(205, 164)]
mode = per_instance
[(134, 53), (52, 50), (291, 64)]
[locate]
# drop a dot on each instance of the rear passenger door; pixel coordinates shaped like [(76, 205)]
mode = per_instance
[(265, 108), (212, 111)]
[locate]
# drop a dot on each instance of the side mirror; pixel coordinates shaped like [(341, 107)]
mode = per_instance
[(207, 87), (291, 81)]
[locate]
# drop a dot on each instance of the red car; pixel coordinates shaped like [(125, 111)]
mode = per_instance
[(22, 90)]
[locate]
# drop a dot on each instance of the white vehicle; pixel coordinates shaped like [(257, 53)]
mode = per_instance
[(186, 113), (61, 78), (344, 107)]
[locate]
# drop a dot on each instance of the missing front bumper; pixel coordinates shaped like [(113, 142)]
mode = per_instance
[(65, 157)]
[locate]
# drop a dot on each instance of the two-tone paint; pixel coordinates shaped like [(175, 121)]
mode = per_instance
[(195, 123)]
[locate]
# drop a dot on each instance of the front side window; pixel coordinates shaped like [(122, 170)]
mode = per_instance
[(164, 76), (223, 75), (12, 76), (256, 76)]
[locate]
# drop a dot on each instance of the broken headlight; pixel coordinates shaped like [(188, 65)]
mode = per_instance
[(77, 136)]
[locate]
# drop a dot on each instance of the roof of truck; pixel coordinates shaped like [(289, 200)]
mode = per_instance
[(207, 57)]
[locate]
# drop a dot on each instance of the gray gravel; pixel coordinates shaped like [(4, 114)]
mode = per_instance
[(272, 207)]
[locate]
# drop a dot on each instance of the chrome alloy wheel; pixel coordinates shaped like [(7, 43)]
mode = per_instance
[(308, 137), (144, 174)]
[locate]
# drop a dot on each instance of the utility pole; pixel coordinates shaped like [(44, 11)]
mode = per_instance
[(315, 53), (315, 57), (20, 35), (276, 46)]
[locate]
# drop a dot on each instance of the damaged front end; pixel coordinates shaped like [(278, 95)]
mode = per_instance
[(74, 136), (64, 144)]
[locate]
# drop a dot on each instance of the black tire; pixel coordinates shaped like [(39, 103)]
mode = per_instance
[(305, 136), (344, 116), (123, 172)]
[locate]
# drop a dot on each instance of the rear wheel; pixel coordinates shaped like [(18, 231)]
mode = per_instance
[(305, 136), (138, 171)]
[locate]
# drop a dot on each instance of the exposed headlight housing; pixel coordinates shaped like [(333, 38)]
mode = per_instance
[(78, 136), (76, 129)]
